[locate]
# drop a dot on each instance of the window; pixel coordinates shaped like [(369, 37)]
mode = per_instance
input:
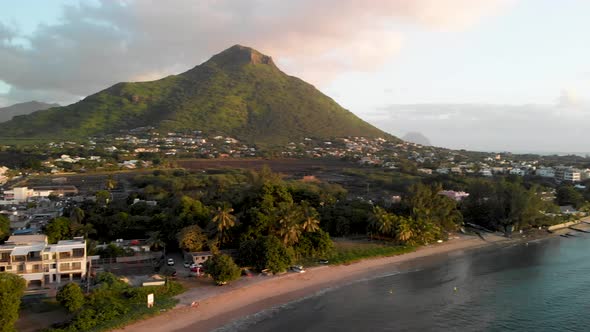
[(64, 266), (5, 256), (76, 266), (78, 252)]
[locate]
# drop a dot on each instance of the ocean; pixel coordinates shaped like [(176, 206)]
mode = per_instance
[(539, 286)]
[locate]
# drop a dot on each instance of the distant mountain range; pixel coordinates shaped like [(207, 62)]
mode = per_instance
[(7, 113), (416, 137), (238, 92)]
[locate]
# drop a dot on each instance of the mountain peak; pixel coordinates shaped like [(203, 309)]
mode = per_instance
[(241, 55), (238, 92), (418, 138)]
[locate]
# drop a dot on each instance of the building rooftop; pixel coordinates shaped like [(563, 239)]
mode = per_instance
[(26, 239)]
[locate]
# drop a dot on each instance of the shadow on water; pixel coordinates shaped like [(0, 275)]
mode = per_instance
[(540, 286)]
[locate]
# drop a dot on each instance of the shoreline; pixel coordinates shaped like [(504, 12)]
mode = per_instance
[(227, 306)]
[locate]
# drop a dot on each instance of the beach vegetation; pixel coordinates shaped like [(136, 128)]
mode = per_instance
[(568, 195), (222, 268), (424, 217), (113, 303), (192, 238), (346, 252), (506, 206), (12, 288), (71, 297)]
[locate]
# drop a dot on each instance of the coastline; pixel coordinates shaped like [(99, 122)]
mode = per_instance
[(220, 308)]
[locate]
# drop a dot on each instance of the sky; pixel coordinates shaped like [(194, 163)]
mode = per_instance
[(493, 75)]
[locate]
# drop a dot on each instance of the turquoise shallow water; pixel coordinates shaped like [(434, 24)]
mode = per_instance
[(542, 286)]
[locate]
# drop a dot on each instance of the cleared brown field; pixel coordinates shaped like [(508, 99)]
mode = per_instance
[(288, 166)]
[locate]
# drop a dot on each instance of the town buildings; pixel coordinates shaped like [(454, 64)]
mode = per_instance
[(40, 263), (569, 174), (23, 194)]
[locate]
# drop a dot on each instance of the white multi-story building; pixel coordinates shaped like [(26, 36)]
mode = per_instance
[(23, 194), (546, 172), (568, 174), (518, 171), (486, 172), (40, 263)]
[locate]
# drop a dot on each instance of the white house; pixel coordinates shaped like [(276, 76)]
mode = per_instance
[(568, 174), (486, 172), (546, 172), (40, 263), (456, 195), (518, 171)]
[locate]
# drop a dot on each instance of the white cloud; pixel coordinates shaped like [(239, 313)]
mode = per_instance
[(94, 46), (543, 128)]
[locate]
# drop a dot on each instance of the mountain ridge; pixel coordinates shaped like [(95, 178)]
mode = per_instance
[(8, 112), (238, 92)]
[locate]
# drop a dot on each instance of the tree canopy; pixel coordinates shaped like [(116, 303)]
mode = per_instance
[(223, 269), (71, 297), (12, 288)]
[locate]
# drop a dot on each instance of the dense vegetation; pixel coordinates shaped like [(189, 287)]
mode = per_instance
[(4, 227), (12, 288), (239, 92), (272, 222), (112, 303)]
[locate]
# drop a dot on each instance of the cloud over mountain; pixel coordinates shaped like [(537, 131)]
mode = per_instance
[(95, 45)]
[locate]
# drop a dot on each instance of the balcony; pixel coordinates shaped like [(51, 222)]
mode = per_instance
[(34, 259), (32, 271), (70, 268), (70, 258)]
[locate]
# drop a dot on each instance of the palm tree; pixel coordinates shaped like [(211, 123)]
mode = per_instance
[(311, 222), (381, 221), (289, 219), (155, 240), (77, 215), (79, 229), (110, 183), (290, 231), (404, 231), (223, 220)]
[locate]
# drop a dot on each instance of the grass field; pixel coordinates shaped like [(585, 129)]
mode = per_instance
[(352, 251)]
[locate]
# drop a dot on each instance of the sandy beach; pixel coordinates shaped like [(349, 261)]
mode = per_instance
[(218, 306)]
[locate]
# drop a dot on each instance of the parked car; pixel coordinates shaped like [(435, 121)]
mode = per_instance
[(247, 273), (187, 264), (170, 262), (323, 261), (297, 269)]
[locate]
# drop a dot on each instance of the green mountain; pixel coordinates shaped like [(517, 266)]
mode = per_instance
[(7, 113), (238, 92)]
